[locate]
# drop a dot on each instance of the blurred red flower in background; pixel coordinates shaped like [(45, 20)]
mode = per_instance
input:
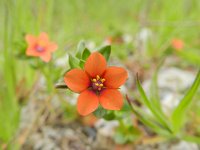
[(96, 84), (40, 46), (177, 44)]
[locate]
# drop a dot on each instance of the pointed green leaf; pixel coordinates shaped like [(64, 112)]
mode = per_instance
[(147, 120), (180, 111), (81, 63), (105, 51), (154, 91), (86, 53), (80, 49), (193, 139), (161, 118), (191, 56), (73, 62)]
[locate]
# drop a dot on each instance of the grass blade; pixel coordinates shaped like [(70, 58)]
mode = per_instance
[(179, 112), (154, 126), (193, 139), (159, 116)]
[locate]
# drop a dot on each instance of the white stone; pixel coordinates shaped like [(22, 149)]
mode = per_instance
[(127, 38), (171, 84), (62, 61), (175, 79), (142, 39), (184, 146)]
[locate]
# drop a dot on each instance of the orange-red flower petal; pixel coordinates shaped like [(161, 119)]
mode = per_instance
[(115, 77), (177, 44), (43, 42), (31, 52), (87, 102), (111, 99), (30, 39), (43, 38), (52, 47), (95, 64), (46, 56), (77, 80)]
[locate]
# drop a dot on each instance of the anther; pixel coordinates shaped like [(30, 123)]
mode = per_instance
[(97, 83), (98, 77), (94, 80), (103, 80)]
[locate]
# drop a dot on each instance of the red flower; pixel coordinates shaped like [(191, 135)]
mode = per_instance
[(96, 84), (40, 46), (177, 44)]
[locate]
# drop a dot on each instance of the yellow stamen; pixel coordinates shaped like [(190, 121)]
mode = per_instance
[(101, 85), (97, 84), (98, 77), (41, 43), (94, 80), (103, 80)]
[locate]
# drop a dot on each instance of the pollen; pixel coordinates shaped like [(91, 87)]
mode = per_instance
[(94, 80), (103, 80), (97, 83), (98, 77)]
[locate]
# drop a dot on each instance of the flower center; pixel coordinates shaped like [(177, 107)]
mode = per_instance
[(97, 83), (39, 48)]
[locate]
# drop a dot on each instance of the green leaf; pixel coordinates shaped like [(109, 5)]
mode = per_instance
[(73, 62), (86, 53), (161, 118), (105, 51), (80, 49), (193, 139), (180, 111), (109, 116), (100, 112), (147, 120), (191, 56), (154, 91), (81, 63)]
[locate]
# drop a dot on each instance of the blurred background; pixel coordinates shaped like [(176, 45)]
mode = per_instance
[(145, 36)]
